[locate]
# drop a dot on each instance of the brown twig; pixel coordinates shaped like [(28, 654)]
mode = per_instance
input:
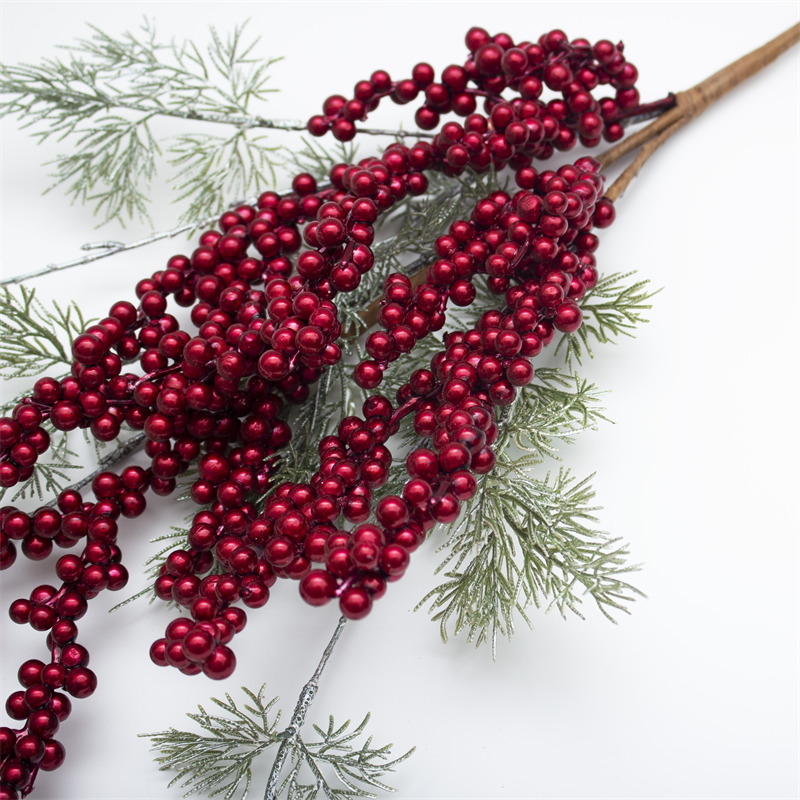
[(691, 104), (632, 170), (370, 313)]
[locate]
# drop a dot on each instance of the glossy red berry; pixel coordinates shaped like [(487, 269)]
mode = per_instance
[(220, 664), (355, 603), (317, 587)]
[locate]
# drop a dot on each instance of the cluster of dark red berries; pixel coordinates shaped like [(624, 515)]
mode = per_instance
[(523, 128), (262, 294), (541, 235)]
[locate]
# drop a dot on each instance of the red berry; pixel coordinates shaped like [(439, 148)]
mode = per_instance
[(317, 587), (220, 664), (355, 603)]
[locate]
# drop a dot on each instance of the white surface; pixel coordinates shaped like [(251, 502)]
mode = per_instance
[(695, 695)]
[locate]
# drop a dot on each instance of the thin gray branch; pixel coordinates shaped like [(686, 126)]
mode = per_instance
[(114, 457), (98, 250), (304, 701), (244, 122)]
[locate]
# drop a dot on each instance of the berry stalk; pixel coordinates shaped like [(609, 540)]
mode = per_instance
[(537, 249), (690, 104), (304, 702)]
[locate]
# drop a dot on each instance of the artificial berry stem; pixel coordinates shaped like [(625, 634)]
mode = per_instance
[(691, 103), (215, 398), (404, 411), (646, 111)]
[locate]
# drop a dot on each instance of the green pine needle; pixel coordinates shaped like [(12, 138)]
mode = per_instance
[(104, 96), (557, 406), (613, 308), (219, 761), (524, 541), (357, 770), (212, 169), (33, 337)]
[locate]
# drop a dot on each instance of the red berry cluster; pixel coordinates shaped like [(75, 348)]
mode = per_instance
[(537, 249), (507, 239), (454, 401), (520, 129), (262, 292)]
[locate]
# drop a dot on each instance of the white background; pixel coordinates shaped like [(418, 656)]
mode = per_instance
[(695, 695)]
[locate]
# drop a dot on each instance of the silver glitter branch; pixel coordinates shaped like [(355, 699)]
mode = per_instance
[(97, 250), (244, 122), (119, 453), (289, 735), (219, 760)]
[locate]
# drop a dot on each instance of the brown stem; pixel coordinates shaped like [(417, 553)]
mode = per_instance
[(616, 190), (691, 104), (647, 111)]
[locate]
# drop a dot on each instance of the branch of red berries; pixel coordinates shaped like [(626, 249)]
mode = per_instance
[(262, 291)]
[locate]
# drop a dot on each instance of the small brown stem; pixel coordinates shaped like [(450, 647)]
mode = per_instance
[(416, 272), (641, 137), (690, 104), (617, 189), (646, 111)]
